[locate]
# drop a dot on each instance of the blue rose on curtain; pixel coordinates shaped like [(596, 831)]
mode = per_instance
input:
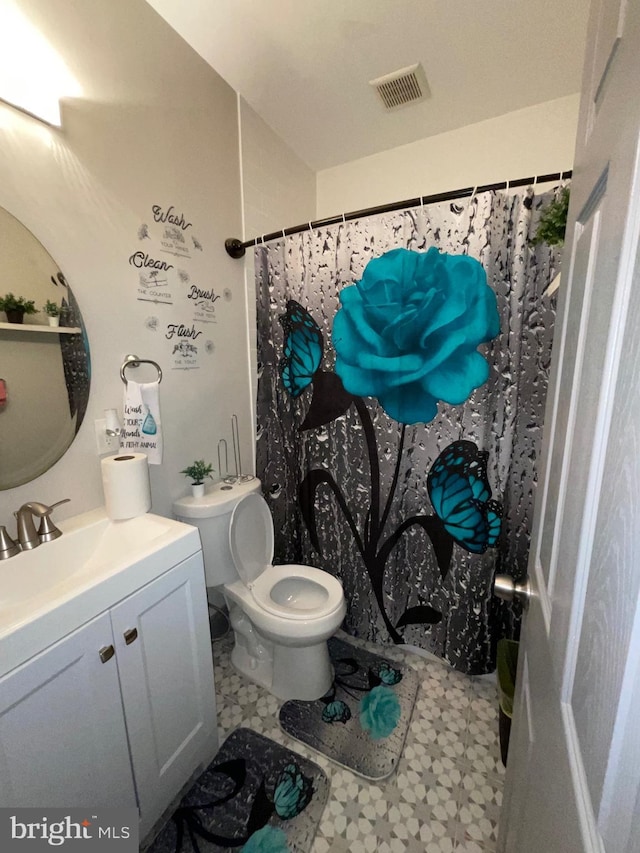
[(408, 331)]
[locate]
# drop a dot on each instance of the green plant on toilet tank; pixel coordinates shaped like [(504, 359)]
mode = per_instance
[(197, 471), (15, 307)]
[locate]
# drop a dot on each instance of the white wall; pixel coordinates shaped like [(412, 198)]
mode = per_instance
[(278, 190), (532, 141), (155, 125)]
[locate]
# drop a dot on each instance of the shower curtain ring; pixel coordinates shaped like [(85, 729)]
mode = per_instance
[(344, 221)]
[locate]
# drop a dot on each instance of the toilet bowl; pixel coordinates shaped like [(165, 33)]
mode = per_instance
[(282, 615)]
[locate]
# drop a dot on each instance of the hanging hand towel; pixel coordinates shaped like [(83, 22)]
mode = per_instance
[(142, 428)]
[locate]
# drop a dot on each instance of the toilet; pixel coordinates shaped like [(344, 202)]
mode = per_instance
[(281, 616)]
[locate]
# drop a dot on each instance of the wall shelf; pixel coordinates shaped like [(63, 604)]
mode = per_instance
[(31, 327)]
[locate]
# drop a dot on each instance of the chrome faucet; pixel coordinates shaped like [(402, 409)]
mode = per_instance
[(27, 535)]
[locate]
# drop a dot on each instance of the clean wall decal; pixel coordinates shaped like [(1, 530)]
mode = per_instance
[(143, 232), (153, 286), (143, 260)]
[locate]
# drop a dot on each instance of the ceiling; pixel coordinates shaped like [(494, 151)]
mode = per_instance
[(304, 66)]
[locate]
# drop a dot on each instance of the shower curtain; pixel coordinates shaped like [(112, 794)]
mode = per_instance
[(398, 426)]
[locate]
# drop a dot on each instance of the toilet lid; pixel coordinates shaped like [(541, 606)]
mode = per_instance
[(251, 537)]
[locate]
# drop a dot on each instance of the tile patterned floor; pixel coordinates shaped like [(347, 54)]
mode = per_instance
[(446, 794)]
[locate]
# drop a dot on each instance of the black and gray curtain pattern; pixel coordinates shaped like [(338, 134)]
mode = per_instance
[(413, 500)]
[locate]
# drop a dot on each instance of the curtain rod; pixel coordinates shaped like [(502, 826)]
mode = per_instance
[(236, 248)]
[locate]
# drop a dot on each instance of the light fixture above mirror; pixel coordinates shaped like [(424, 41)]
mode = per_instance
[(33, 77)]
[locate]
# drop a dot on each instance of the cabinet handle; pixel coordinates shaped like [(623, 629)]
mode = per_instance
[(130, 635), (106, 653)]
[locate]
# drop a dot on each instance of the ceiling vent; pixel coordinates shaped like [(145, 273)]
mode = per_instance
[(406, 86)]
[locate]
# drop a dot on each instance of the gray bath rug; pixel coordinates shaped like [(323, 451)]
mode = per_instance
[(255, 796), (362, 722)]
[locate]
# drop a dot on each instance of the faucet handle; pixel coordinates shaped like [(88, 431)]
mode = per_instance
[(8, 547), (47, 531), (57, 503)]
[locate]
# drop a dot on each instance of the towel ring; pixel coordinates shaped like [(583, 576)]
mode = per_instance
[(134, 361)]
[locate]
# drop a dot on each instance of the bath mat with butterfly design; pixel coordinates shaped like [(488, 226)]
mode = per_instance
[(362, 722), (255, 796)]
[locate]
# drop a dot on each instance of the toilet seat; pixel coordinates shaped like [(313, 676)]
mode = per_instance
[(297, 592), (288, 591)]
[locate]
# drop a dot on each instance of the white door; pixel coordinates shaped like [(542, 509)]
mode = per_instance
[(163, 647), (573, 780), (63, 741)]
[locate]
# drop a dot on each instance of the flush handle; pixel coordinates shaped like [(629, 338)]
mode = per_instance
[(106, 653), (130, 636)]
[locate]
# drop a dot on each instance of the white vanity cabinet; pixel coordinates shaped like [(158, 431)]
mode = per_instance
[(63, 740), (120, 711)]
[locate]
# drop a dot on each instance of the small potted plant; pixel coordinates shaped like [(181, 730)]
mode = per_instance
[(52, 310), (15, 307), (553, 221), (196, 472)]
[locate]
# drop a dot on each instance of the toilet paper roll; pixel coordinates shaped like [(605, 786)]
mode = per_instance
[(125, 482)]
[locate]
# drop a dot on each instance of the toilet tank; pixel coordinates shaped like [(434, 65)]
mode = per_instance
[(211, 514)]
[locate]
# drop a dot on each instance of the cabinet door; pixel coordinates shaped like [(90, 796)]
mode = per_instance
[(166, 675), (63, 740)]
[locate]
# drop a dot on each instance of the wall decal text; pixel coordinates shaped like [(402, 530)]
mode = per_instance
[(141, 260), (179, 330), (161, 215)]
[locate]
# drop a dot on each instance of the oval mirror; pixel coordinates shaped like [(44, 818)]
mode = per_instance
[(45, 369)]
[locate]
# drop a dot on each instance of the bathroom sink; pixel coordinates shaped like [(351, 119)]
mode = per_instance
[(53, 589)]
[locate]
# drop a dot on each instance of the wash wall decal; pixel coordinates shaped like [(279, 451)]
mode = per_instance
[(381, 452)]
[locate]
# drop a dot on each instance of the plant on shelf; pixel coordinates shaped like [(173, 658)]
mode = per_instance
[(15, 307), (197, 472), (52, 310), (553, 221)]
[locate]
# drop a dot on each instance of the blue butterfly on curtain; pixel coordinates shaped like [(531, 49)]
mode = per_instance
[(303, 348), (461, 496)]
